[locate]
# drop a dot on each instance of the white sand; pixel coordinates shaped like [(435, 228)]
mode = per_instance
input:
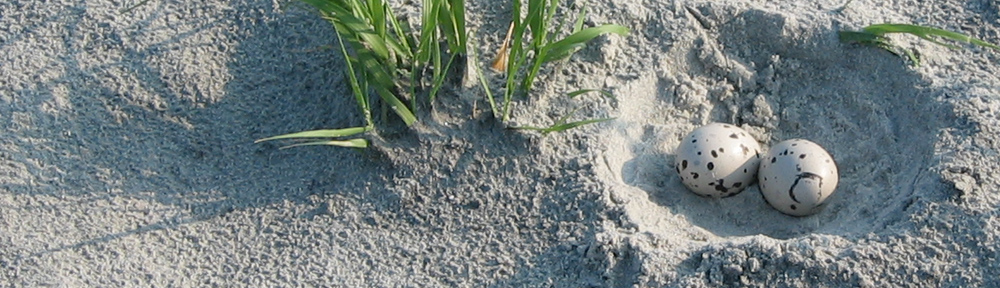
[(126, 155)]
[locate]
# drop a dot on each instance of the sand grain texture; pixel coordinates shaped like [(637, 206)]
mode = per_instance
[(126, 155)]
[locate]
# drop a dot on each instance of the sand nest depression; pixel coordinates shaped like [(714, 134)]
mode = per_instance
[(126, 155)]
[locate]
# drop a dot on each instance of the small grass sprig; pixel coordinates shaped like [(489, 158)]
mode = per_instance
[(561, 124), (533, 43), (875, 36)]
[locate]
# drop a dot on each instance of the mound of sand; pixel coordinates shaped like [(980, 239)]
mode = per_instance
[(126, 155)]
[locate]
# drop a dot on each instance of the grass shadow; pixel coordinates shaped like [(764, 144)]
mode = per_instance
[(123, 120)]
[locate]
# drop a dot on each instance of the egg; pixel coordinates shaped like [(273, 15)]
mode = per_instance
[(797, 176), (717, 160)]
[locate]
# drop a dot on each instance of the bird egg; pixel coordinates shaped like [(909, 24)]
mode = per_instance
[(717, 160), (797, 176)]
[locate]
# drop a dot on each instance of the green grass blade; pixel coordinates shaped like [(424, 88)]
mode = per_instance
[(878, 41), (376, 10), (571, 125), (546, 22), (563, 126), (439, 71), (564, 48), (540, 14), (559, 27), (383, 84), (907, 52), (859, 37), (428, 31), (585, 91), (451, 20), (440, 77), (579, 19), (915, 30), (457, 9), (588, 34), (926, 33), (360, 96), (874, 35), (562, 52), (516, 57), (562, 120), (403, 33), (351, 26), (474, 57), (396, 105), (536, 21), (536, 66), (369, 35), (567, 46), (352, 143), (427, 48), (324, 133), (401, 41)]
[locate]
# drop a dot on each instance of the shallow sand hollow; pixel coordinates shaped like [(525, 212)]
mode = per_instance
[(126, 155), (810, 87)]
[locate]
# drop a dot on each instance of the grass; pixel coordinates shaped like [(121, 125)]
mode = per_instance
[(386, 52), (384, 58), (875, 36), (531, 42), (561, 124)]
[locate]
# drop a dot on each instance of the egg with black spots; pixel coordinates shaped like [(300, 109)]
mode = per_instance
[(717, 160), (797, 176)]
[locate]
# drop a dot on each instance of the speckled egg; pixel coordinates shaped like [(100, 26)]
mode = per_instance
[(717, 160), (797, 176)]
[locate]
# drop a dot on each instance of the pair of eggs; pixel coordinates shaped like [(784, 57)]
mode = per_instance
[(720, 160)]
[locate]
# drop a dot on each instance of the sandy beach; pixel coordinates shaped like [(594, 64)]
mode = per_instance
[(127, 155)]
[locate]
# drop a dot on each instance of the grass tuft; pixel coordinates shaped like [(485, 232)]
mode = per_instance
[(404, 69), (531, 42), (386, 59), (382, 48), (875, 36)]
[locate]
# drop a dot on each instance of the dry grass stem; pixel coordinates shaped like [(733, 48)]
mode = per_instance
[(500, 62)]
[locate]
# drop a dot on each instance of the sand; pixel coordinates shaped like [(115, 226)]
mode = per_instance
[(126, 154)]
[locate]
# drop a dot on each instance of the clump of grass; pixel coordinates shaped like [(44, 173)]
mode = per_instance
[(385, 58), (532, 42), (875, 36)]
